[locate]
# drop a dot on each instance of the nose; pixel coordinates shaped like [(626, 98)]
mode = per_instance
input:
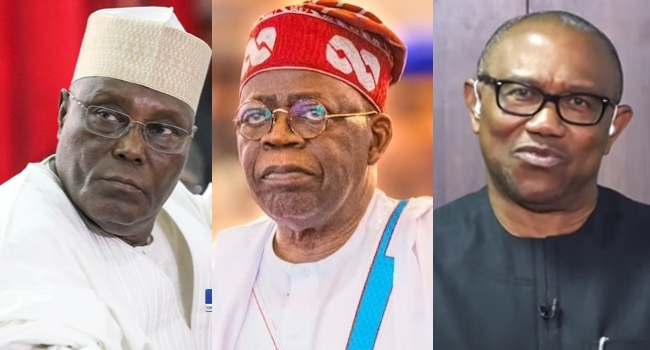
[(547, 122), (281, 134), (131, 146)]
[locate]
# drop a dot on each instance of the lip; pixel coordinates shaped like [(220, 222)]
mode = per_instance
[(284, 170), (289, 176), (125, 183), (540, 156)]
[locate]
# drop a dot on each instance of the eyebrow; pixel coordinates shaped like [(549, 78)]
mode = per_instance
[(273, 101), (120, 103), (106, 97), (588, 88)]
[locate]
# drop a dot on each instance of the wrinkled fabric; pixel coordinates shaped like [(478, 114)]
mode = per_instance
[(492, 290), (61, 284), (238, 253)]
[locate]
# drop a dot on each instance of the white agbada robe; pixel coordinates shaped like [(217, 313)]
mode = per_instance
[(63, 284), (312, 305)]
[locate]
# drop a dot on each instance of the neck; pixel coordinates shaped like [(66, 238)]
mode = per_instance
[(137, 236), (297, 245), (523, 222)]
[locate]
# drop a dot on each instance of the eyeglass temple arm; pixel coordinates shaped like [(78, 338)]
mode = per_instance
[(352, 114)]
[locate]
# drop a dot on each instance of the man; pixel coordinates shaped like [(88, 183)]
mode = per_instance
[(101, 246), (336, 264), (543, 257)]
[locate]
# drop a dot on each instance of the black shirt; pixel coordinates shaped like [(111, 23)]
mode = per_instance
[(495, 291)]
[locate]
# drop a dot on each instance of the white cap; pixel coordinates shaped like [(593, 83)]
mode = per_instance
[(146, 46)]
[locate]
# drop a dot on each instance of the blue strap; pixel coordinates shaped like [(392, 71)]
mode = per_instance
[(376, 291)]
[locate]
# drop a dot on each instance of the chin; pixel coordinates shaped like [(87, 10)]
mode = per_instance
[(115, 212), (529, 190), (537, 195), (292, 206)]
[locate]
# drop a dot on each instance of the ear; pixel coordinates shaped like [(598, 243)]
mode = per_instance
[(382, 132), (621, 119), (63, 109), (472, 101)]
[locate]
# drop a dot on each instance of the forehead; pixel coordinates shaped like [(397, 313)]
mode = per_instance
[(285, 86), (129, 96), (552, 52)]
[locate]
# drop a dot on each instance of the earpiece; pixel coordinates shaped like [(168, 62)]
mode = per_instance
[(477, 105), (612, 128)]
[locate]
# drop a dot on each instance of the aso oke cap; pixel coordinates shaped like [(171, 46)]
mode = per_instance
[(146, 46), (340, 40)]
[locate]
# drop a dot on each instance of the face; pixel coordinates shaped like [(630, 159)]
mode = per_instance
[(406, 170), (122, 183), (304, 182), (542, 160)]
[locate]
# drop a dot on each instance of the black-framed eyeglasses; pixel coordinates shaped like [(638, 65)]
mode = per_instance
[(307, 118), (525, 100), (162, 137)]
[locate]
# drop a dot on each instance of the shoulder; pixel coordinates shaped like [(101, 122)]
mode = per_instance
[(40, 228), (413, 227), (462, 210), (419, 209), (240, 245), (251, 231), (621, 208), (415, 215), (415, 208), (32, 201), (610, 196), (33, 180)]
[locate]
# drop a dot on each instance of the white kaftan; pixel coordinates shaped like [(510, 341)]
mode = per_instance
[(63, 284), (313, 305)]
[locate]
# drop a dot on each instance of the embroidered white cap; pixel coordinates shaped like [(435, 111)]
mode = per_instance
[(146, 46)]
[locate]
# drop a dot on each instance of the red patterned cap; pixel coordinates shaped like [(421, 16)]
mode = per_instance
[(336, 39)]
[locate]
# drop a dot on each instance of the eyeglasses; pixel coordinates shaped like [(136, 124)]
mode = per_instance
[(525, 100), (112, 124), (307, 119)]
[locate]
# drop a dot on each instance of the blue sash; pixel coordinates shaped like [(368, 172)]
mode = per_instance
[(376, 291)]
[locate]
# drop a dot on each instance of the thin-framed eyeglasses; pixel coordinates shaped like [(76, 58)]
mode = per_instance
[(525, 100), (109, 123), (307, 118)]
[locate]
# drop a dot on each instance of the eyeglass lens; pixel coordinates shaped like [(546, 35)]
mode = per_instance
[(524, 100), (307, 118), (159, 136)]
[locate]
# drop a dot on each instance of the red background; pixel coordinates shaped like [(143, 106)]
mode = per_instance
[(39, 44)]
